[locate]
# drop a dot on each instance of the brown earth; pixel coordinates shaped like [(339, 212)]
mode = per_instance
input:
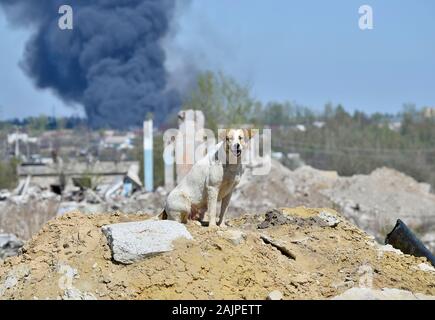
[(70, 258)]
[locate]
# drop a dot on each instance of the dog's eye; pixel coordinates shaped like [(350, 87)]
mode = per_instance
[(240, 137), (228, 139)]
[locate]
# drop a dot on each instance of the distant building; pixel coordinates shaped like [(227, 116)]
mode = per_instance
[(301, 127), (319, 124), (17, 141), (58, 175), (395, 126), (119, 142), (429, 112), (277, 156), (24, 137)]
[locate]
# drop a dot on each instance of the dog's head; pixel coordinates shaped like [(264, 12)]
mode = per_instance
[(236, 140)]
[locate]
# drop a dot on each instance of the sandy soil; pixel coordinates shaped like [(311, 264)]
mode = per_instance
[(69, 258)]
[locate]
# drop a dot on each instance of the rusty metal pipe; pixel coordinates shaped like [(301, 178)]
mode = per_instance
[(404, 239)]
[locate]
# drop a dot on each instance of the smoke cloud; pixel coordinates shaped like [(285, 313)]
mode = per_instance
[(112, 62)]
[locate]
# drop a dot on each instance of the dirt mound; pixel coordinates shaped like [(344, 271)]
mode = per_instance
[(374, 202), (303, 253)]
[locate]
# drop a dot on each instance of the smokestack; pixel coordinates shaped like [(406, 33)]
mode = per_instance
[(111, 62)]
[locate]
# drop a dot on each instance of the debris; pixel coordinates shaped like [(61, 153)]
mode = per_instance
[(92, 197), (429, 239), (9, 245), (425, 267), (331, 220), (10, 282), (83, 207), (66, 283), (275, 295), (12, 278), (133, 175), (4, 195), (22, 187), (280, 246), (299, 240), (374, 202), (113, 189), (210, 263), (402, 238), (134, 241), (387, 248), (384, 294), (76, 294), (274, 218), (84, 173)]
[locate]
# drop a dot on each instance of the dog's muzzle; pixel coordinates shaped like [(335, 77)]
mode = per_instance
[(237, 151)]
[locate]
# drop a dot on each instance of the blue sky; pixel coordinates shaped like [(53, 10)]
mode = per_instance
[(307, 51)]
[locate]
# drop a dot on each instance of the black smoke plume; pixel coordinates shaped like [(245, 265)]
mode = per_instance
[(112, 61)]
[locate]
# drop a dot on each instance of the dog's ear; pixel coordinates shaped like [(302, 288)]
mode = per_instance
[(181, 115), (249, 133), (222, 134)]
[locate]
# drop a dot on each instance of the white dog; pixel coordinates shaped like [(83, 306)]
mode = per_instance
[(210, 180)]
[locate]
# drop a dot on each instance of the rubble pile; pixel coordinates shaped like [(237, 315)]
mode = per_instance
[(23, 213), (24, 210), (280, 188), (373, 202), (297, 253), (9, 245), (91, 202)]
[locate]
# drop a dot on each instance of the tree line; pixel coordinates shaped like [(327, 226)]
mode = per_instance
[(330, 139)]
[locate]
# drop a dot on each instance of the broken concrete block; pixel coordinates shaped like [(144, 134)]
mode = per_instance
[(15, 275), (425, 267), (330, 219), (76, 294), (9, 245), (134, 241), (387, 248), (275, 295), (4, 195)]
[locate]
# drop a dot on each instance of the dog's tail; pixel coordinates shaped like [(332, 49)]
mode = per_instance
[(163, 215)]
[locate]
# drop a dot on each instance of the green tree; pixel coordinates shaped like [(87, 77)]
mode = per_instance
[(38, 124), (222, 100), (8, 174)]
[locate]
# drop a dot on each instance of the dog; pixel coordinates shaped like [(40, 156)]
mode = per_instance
[(210, 180)]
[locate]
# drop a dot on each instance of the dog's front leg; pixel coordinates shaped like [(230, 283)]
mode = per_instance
[(212, 196), (224, 207)]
